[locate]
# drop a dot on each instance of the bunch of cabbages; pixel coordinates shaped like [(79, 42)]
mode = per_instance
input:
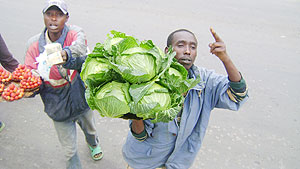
[(129, 79)]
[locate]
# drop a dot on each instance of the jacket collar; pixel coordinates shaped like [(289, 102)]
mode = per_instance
[(193, 73), (61, 40)]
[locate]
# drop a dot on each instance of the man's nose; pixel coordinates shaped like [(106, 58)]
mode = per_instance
[(187, 51), (53, 17)]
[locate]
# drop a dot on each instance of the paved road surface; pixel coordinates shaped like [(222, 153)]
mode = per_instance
[(262, 37)]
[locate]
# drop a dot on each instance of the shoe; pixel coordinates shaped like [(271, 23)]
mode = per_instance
[(96, 151), (2, 125)]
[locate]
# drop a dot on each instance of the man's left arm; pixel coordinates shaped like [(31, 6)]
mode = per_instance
[(237, 90), (75, 54), (74, 62), (218, 48)]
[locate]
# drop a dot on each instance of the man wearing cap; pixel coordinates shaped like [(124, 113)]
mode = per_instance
[(63, 94)]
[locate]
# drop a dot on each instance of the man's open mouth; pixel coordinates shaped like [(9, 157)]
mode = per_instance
[(53, 26), (185, 60)]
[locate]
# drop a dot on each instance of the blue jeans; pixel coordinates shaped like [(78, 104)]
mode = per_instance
[(67, 136)]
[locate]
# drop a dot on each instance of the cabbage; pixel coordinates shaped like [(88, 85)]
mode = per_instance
[(94, 70), (139, 71), (156, 99), (112, 99), (138, 64), (129, 79), (176, 79), (174, 72)]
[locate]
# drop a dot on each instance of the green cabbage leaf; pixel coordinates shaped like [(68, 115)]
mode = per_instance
[(112, 99)]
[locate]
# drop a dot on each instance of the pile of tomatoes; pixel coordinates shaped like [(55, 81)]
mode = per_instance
[(1, 87), (14, 85), (30, 82), (19, 72), (12, 92), (5, 76)]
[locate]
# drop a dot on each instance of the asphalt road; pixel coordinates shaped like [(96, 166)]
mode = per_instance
[(262, 38)]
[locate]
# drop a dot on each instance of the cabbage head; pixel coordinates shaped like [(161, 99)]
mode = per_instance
[(112, 99), (94, 70), (137, 62), (155, 100), (141, 66), (132, 79)]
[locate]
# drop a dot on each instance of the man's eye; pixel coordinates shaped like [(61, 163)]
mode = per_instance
[(180, 45)]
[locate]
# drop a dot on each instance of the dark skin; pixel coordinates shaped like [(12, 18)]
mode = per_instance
[(55, 20), (185, 46), (218, 48)]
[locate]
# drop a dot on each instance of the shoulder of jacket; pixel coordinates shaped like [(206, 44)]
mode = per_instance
[(204, 73), (74, 28), (33, 39)]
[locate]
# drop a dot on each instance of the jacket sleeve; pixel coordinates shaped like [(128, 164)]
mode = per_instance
[(75, 62), (224, 94), (237, 91), (78, 47), (77, 51), (32, 51), (6, 58), (146, 133)]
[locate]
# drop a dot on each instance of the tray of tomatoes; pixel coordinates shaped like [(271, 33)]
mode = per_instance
[(18, 84)]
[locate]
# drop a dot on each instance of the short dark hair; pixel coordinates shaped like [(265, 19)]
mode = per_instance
[(170, 37)]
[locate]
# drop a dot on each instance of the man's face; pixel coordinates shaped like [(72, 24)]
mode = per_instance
[(55, 20), (185, 46)]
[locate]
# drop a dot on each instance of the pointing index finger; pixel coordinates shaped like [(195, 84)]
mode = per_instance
[(216, 37)]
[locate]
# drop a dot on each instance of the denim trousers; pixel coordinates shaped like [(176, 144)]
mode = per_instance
[(128, 167), (67, 135)]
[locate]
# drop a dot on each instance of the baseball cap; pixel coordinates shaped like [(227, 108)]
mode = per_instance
[(59, 3)]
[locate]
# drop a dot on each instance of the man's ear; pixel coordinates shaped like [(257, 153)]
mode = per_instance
[(166, 50), (67, 18)]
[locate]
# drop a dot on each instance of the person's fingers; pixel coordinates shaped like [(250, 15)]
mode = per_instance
[(215, 35), (216, 45), (217, 50), (211, 46)]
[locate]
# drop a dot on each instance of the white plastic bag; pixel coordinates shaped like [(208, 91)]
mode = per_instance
[(51, 56), (43, 67)]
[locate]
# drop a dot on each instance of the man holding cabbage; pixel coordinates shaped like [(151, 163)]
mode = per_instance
[(175, 144)]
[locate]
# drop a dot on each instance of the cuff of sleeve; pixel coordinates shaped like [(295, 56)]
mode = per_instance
[(67, 49), (239, 87), (237, 91), (140, 137), (69, 53)]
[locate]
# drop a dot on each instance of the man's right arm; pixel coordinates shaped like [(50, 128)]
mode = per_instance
[(32, 51), (138, 130)]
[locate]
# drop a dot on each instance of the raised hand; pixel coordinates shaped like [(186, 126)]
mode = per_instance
[(218, 47)]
